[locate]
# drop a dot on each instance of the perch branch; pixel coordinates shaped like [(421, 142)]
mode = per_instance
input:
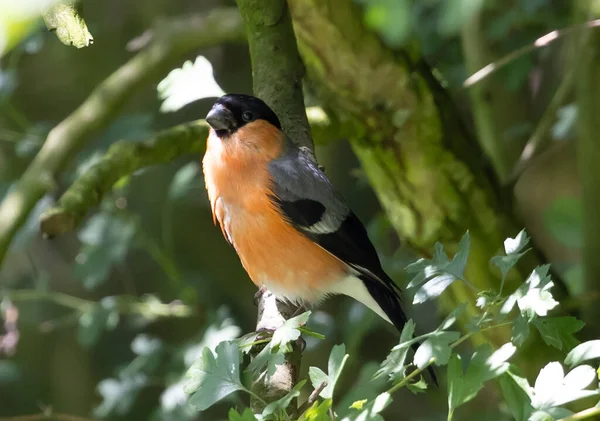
[(69, 136), (277, 75)]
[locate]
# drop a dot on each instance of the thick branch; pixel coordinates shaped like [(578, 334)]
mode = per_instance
[(104, 103), (277, 74)]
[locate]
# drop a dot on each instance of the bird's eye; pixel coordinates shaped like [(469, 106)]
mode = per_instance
[(248, 116)]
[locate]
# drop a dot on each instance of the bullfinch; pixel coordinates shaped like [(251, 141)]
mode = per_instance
[(292, 231)]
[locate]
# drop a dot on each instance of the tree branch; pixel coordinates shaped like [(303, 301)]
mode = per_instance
[(150, 309), (277, 75), (68, 137), (122, 158)]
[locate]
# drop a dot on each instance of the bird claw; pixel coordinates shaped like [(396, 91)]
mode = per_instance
[(264, 333), (258, 295)]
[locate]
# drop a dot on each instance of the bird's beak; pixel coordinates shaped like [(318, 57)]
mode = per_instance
[(220, 118)]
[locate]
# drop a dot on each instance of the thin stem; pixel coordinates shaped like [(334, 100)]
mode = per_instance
[(259, 342), (311, 333), (418, 371), (123, 304), (542, 41), (412, 375), (65, 300), (587, 413)]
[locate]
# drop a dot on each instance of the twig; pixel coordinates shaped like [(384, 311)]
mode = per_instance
[(66, 139), (542, 41), (122, 304), (312, 398), (587, 413)]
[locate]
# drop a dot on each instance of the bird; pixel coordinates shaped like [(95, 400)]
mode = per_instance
[(294, 233)]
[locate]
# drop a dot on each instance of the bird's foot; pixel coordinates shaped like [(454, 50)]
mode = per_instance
[(264, 333), (258, 295)]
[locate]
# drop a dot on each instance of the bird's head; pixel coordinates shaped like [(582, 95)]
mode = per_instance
[(233, 111)]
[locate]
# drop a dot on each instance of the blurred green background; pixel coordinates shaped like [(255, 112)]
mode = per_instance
[(154, 236)]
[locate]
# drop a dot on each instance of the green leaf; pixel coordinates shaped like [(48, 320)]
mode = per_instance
[(271, 357), (512, 248), (563, 219), (517, 400), (483, 366), (193, 81), (558, 331), (452, 317), (107, 240), (247, 415), (437, 347), (317, 412), (212, 379), (289, 332), (393, 365), (583, 352), (183, 179), (370, 411), (418, 387), (365, 387), (91, 326), (337, 360), (432, 277), (281, 404), (520, 330), (506, 263), (433, 288)]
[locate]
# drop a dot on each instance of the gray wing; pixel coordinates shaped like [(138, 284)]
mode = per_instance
[(309, 202)]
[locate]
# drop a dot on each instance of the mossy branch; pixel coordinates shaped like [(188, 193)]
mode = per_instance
[(66, 20), (122, 159), (169, 42)]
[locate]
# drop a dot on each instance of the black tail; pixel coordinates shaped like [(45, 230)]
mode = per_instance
[(388, 298)]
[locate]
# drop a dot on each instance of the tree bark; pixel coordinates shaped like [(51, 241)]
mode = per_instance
[(588, 157)]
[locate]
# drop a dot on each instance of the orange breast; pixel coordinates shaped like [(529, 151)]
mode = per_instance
[(273, 253)]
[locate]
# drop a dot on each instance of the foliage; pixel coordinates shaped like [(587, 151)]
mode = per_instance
[(468, 372)]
